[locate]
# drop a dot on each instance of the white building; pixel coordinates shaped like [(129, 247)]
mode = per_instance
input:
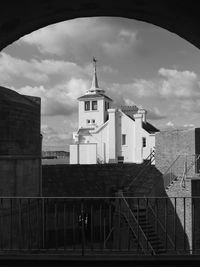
[(107, 134)]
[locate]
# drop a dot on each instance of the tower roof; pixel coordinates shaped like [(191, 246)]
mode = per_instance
[(95, 85), (97, 95), (94, 90)]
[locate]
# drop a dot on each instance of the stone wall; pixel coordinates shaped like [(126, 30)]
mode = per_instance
[(20, 144), (99, 180), (19, 124), (20, 176)]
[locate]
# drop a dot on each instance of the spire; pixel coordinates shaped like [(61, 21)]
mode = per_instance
[(94, 80)]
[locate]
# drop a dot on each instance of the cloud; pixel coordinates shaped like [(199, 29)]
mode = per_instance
[(179, 84), (11, 67), (54, 140), (190, 105), (155, 114), (144, 88), (170, 124), (123, 43), (182, 86), (81, 38), (59, 100), (189, 125), (70, 38), (38, 71)]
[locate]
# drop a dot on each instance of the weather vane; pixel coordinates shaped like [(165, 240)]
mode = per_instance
[(94, 60)]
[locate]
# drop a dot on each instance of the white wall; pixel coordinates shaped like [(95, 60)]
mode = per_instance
[(133, 150), (150, 143), (112, 143), (88, 153), (101, 139), (127, 128), (73, 159), (97, 115), (83, 154), (105, 138)]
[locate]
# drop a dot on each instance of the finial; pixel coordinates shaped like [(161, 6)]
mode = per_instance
[(95, 61), (94, 80)]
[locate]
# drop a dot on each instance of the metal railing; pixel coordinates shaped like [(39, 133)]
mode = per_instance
[(143, 243), (161, 227), (149, 160), (180, 168), (103, 226)]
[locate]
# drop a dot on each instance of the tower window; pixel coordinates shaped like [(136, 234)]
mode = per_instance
[(87, 105), (144, 142), (106, 105), (123, 139), (93, 121), (94, 105), (88, 121)]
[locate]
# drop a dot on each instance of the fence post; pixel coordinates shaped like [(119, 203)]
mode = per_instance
[(82, 228)]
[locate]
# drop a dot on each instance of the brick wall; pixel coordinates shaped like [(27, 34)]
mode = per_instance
[(99, 180), (196, 212), (182, 206), (170, 144)]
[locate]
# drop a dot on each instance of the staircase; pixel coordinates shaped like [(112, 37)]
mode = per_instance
[(149, 231), (172, 175), (144, 233), (147, 162)]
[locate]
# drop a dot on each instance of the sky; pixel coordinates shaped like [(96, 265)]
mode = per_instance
[(138, 64)]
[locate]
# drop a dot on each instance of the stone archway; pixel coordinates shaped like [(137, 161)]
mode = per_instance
[(21, 17)]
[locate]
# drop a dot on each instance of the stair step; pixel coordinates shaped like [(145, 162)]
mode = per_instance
[(154, 238), (149, 231), (144, 223), (156, 244), (138, 210), (147, 228), (161, 251)]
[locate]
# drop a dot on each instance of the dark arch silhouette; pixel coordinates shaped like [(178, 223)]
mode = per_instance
[(24, 16), (21, 17)]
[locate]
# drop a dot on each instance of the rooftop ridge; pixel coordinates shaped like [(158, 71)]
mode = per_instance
[(133, 107)]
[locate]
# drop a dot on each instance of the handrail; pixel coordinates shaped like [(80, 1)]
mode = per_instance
[(160, 223), (172, 164), (137, 225), (151, 156), (108, 236), (186, 170), (147, 164)]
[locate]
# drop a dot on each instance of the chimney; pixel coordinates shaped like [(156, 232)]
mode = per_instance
[(112, 135), (138, 151), (144, 113)]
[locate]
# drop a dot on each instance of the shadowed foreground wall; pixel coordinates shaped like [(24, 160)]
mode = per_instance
[(99, 180), (20, 144)]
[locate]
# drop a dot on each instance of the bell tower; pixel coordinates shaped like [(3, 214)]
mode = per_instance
[(93, 105)]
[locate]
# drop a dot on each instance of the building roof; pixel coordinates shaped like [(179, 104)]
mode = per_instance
[(97, 95), (9, 95), (129, 110), (149, 127), (146, 126), (84, 131)]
